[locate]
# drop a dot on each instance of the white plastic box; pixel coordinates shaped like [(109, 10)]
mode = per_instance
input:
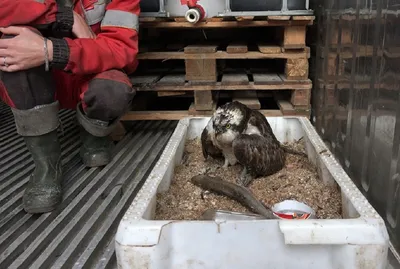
[(360, 240)]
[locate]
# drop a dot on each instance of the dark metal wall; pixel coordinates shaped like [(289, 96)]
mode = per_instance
[(356, 97)]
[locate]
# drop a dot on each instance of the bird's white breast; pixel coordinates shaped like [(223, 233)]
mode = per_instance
[(226, 138)]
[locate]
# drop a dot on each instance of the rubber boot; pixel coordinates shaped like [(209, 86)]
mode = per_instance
[(96, 149), (38, 126)]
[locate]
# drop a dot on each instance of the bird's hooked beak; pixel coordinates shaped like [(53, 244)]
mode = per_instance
[(218, 131)]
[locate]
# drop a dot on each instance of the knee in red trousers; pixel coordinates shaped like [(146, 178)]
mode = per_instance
[(107, 95)]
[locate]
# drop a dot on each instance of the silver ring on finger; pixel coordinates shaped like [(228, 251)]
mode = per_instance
[(4, 61)]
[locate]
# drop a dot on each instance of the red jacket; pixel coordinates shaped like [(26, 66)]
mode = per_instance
[(115, 22)]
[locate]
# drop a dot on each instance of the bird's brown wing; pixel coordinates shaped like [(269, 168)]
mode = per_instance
[(207, 145), (260, 155)]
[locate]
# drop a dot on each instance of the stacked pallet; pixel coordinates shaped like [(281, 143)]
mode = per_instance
[(358, 70), (225, 67), (352, 54)]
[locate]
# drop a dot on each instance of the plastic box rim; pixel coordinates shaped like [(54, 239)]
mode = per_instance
[(147, 232)]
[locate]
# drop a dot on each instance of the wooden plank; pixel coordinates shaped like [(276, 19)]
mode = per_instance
[(279, 18), (172, 79), (345, 35), (237, 48), (201, 69), (180, 114), (271, 112), (179, 19), (288, 109), (335, 66), (294, 37), (244, 18), (203, 100), (330, 98), (285, 107), (268, 49), (163, 94), (296, 69), (357, 85), (248, 98), (222, 24), (300, 97), (217, 86), (224, 55), (347, 53), (303, 18), (155, 115), (262, 78), (235, 79), (193, 112), (215, 19), (200, 49)]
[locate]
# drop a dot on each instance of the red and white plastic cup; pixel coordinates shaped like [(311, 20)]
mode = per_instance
[(291, 209)]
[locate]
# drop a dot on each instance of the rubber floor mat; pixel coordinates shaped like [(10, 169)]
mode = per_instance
[(80, 233)]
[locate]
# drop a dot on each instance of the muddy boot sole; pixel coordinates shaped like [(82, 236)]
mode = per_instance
[(45, 200)]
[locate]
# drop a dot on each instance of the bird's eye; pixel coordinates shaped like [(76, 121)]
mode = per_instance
[(228, 126)]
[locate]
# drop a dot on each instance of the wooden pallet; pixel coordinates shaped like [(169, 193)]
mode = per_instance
[(201, 60), (340, 60), (282, 108), (334, 84), (386, 82), (364, 16), (344, 33), (250, 80)]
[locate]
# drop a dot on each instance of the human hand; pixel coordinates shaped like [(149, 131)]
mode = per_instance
[(80, 28), (24, 51)]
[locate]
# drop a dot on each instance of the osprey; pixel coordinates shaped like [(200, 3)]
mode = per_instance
[(242, 135)]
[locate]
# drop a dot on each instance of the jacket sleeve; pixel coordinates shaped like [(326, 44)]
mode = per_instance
[(115, 47), (46, 15)]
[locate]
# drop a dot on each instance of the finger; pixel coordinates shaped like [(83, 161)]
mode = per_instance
[(10, 68), (5, 43), (4, 52), (9, 61), (11, 30)]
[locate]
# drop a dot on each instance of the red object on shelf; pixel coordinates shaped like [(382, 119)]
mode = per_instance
[(189, 3)]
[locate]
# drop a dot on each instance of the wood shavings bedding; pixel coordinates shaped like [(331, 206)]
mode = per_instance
[(298, 180)]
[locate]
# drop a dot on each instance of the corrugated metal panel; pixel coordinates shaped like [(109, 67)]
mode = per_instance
[(80, 234), (357, 96)]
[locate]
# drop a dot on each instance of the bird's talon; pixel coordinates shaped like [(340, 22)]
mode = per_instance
[(203, 193), (245, 179)]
